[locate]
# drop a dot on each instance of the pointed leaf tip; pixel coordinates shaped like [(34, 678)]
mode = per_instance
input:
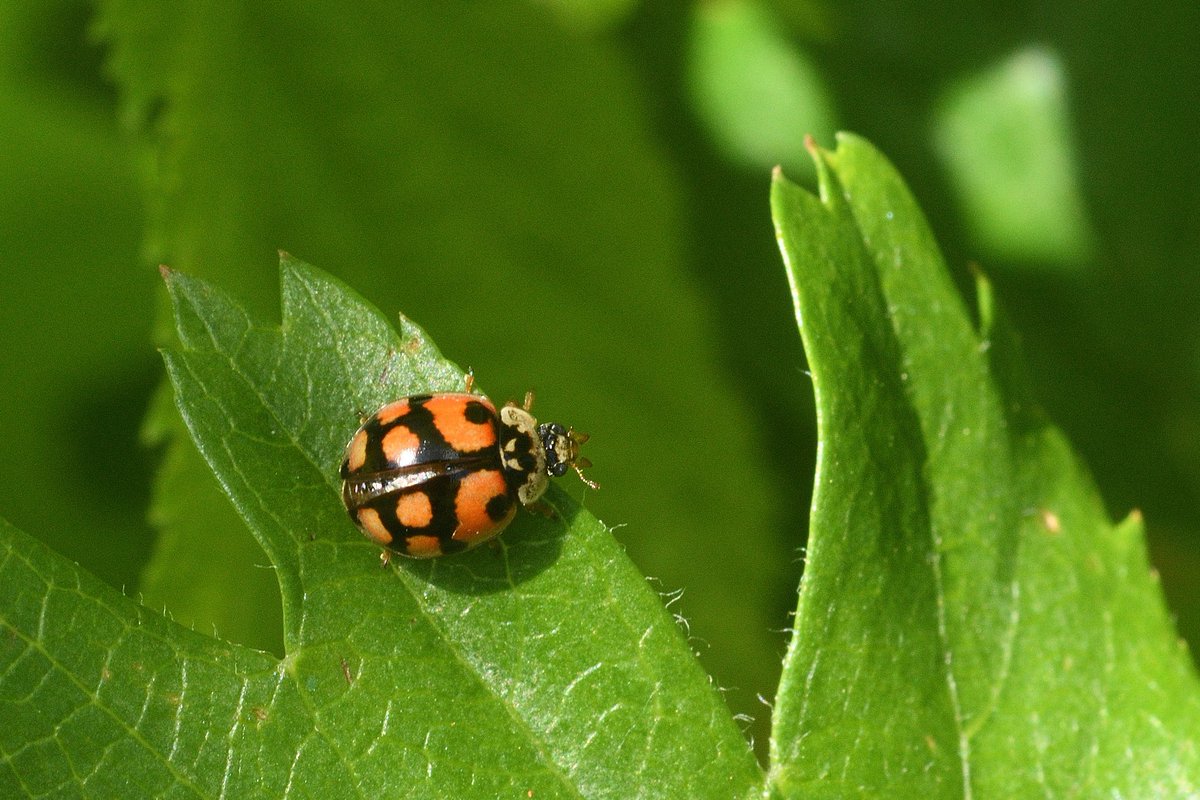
[(271, 407), (931, 456)]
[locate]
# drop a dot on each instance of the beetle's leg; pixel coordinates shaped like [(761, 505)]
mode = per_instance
[(528, 405), (543, 508), (470, 382)]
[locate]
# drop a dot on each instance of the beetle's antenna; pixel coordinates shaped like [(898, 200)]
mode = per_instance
[(579, 471)]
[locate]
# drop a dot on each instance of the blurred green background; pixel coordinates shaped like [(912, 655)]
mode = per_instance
[(572, 196)]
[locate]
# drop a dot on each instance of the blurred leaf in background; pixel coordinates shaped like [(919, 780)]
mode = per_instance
[(568, 196), (1005, 138), (754, 89), (76, 368), (590, 15)]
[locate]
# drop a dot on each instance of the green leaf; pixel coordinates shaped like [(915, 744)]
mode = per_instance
[(206, 571), (495, 175), (590, 15), (1005, 138), (752, 87), (103, 698), (70, 223), (546, 667), (970, 623)]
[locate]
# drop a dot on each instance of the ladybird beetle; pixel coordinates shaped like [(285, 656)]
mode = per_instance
[(434, 474)]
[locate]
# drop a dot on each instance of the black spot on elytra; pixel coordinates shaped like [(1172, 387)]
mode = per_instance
[(433, 448), (441, 491), (477, 413), (498, 507)]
